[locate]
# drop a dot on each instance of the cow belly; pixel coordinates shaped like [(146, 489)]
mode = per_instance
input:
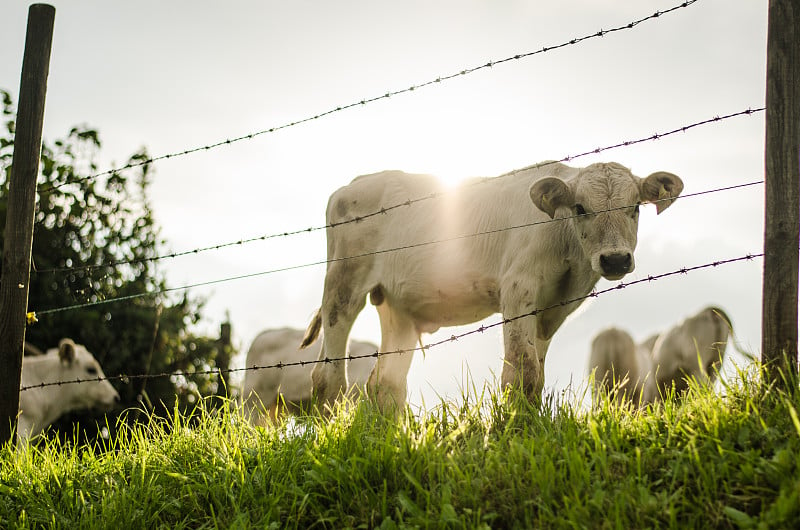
[(442, 308), (431, 318)]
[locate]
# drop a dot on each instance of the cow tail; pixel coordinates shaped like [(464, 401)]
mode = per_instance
[(729, 324), (726, 320), (313, 329)]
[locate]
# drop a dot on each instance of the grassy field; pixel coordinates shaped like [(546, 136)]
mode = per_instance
[(714, 461)]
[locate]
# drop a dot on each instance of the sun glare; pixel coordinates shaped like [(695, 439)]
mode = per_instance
[(451, 179)]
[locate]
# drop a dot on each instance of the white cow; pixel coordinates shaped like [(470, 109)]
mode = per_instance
[(622, 368), (266, 391), (485, 247), (643, 373), (694, 349), (41, 406)]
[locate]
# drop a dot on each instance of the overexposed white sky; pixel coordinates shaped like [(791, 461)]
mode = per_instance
[(176, 75)]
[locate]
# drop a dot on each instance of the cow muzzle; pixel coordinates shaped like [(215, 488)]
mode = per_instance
[(109, 403), (615, 266)]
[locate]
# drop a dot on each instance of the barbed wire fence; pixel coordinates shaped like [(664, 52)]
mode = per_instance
[(423, 347), (407, 203), (371, 253), (383, 211), (365, 101), (480, 329)]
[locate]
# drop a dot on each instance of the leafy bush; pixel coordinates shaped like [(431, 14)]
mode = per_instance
[(94, 240)]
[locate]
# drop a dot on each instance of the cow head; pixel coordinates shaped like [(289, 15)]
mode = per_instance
[(603, 203), (78, 363)]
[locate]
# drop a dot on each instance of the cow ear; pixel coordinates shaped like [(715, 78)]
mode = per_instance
[(662, 188), (66, 350), (550, 193)]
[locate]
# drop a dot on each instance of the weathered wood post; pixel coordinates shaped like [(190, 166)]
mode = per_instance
[(782, 190), (21, 205), (223, 360)]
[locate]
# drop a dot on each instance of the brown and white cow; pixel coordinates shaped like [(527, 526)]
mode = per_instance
[(41, 406), (484, 247), (268, 392)]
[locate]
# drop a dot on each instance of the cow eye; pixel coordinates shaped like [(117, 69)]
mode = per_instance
[(580, 210), (91, 370)]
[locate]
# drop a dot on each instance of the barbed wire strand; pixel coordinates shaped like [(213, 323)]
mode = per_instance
[(365, 101), (368, 254), (387, 209), (453, 338)]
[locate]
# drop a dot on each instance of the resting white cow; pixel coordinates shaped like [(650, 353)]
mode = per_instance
[(622, 368), (265, 391), (39, 407), (641, 374), (483, 248)]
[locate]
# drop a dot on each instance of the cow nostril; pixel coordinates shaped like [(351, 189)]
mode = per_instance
[(616, 263)]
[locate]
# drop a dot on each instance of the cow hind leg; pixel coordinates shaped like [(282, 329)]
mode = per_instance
[(387, 382), (342, 301)]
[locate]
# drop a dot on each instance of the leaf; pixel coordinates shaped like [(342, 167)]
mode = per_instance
[(408, 505), (739, 518), (795, 419)]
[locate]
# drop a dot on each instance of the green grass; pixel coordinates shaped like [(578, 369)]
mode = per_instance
[(730, 461)]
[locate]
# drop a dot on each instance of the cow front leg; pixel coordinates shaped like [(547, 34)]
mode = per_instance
[(523, 366)]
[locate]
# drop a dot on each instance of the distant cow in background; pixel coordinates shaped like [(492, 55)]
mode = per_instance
[(622, 368), (695, 348), (266, 391), (41, 406), (643, 373), (485, 247)]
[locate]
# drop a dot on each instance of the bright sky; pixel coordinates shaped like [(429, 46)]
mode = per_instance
[(176, 75)]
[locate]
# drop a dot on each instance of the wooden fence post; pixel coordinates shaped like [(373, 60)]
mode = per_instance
[(21, 205), (782, 192), (223, 360)]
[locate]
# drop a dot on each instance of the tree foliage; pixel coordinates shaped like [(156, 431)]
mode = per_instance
[(94, 240)]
